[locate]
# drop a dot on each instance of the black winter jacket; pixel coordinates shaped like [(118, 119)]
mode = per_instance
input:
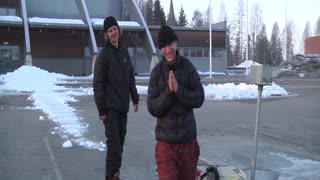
[(174, 111), (113, 80)]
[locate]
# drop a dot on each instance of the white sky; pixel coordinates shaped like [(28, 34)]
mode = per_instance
[(272, 10)]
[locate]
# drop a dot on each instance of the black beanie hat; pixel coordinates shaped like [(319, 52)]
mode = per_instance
[(108, 22), (166, 36)]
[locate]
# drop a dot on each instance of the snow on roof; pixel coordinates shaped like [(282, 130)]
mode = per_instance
[(99, 22), (11, 18), (250, 62), (55, 21)]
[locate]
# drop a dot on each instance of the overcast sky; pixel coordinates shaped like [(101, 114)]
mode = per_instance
[(272, 10)]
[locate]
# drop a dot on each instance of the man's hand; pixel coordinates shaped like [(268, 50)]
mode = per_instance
[(102, 118), (173, 83), (136, 107)]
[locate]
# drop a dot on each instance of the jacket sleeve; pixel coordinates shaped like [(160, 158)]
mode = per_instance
[(99, 79), (132, 85), (159, 102), (193, 95)]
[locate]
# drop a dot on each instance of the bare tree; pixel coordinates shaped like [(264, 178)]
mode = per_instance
[(230, 59), (275, 46), (317, 28), (289, 44), (206, 17), (306, 33), (142, 5), (149, 12), (255, 26), (197, 19), (222, 14)]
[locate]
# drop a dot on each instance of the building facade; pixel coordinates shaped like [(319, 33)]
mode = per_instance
[(312, 45), (65, 36)]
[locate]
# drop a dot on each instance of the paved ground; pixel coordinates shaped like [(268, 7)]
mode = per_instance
[(289, 130)]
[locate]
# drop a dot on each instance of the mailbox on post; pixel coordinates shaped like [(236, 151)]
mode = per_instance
[(261, 75)]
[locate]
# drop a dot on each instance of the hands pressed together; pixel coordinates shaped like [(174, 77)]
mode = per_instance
[(173, 83)]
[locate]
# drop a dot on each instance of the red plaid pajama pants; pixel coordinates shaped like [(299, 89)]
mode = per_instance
[(177, 161)]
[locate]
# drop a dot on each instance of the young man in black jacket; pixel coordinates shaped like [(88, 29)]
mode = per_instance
[(113, 84), (174, 91)]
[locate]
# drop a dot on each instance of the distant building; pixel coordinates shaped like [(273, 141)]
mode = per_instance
[(312, 45), (66, 36)]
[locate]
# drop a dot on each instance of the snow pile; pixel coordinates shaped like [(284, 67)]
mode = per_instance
[(250, 62), (301, 66), (30, 78), (310, 168), (52, 100), (230, 91)]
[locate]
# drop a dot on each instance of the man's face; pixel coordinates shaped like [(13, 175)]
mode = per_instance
[(113, 34), (169, 52)]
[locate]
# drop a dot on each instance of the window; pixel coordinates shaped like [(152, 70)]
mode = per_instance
[(217, 53), (186, 52), (6, 54), (193, 52), (206, 52), (199, 52), (6, 11), (87, 51), (141, 52), (10, 53), (131, 51)]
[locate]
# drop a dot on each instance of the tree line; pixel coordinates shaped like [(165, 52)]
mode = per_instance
[(262, 48)]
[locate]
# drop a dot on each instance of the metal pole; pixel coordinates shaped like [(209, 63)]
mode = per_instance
[(210, 42), (285, 34), (247, 51), (255, 145)]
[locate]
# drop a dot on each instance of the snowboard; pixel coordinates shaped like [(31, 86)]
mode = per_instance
[(223, 172)]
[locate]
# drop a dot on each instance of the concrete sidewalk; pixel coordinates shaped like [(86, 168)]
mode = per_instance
[(288, 146)]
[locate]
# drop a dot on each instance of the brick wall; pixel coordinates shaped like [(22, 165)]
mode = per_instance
[(312, 45)]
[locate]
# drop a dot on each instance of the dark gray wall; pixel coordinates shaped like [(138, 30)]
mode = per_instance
[(67, 66)]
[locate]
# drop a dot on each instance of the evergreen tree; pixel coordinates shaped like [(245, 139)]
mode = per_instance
[(262, 47), (239, 32), (182, 18), (275, 46), (159, 18)]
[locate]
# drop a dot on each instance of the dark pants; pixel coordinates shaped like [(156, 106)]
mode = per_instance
[(115, 130)]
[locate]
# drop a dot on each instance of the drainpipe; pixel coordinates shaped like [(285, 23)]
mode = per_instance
[(86, 19), (28, 57)]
